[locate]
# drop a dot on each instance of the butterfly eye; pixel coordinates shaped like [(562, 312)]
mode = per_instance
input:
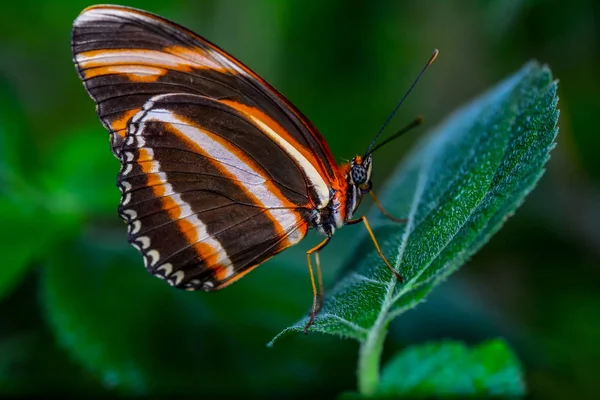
[(359, 174)]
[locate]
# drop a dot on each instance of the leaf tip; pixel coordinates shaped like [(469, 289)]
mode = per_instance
[(283, 333)]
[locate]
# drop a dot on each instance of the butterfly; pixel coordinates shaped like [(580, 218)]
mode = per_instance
[(219, 171)]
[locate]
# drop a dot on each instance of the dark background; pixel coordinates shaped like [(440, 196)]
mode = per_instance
[(78, 313)]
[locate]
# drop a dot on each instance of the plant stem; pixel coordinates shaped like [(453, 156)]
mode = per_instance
[(369, 358)]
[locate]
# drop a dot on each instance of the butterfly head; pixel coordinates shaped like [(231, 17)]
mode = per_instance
[(359, 182), (360, 173)]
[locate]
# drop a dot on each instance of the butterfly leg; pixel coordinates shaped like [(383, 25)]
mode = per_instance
[(320, 280), (388, 215), (316, 301), (368, 226)]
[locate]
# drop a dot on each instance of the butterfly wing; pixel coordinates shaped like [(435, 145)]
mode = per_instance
[(199, 205), (125, 56), (219, 171)]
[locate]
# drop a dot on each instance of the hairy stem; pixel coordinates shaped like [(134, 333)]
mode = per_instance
[(369, 359)]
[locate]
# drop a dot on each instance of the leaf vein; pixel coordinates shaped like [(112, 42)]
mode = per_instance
[(343, 320), (361, 277)]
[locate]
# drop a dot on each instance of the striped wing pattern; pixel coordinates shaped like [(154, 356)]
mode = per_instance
[(219, 172), (125, 56), (198, 175)]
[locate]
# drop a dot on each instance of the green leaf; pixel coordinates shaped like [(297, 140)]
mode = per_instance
[(452, 369), (456, 190)]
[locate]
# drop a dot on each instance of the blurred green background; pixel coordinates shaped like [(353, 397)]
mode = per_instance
[(78, 312)]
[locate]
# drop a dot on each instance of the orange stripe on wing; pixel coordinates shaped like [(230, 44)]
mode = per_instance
[(210, 255), (305, 159), (285, 206), (303, 228), (143, 65), (119, 124), (153, 179), (274, 125), (135, 73), (237, 276), (196, 58)]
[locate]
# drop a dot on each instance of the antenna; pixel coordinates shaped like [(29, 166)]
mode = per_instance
[(416, 122), (387, 121)]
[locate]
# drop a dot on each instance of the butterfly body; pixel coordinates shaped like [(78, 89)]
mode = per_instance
[(343, 203)]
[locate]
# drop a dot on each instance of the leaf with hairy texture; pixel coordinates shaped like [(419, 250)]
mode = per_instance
[(456, 190)]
